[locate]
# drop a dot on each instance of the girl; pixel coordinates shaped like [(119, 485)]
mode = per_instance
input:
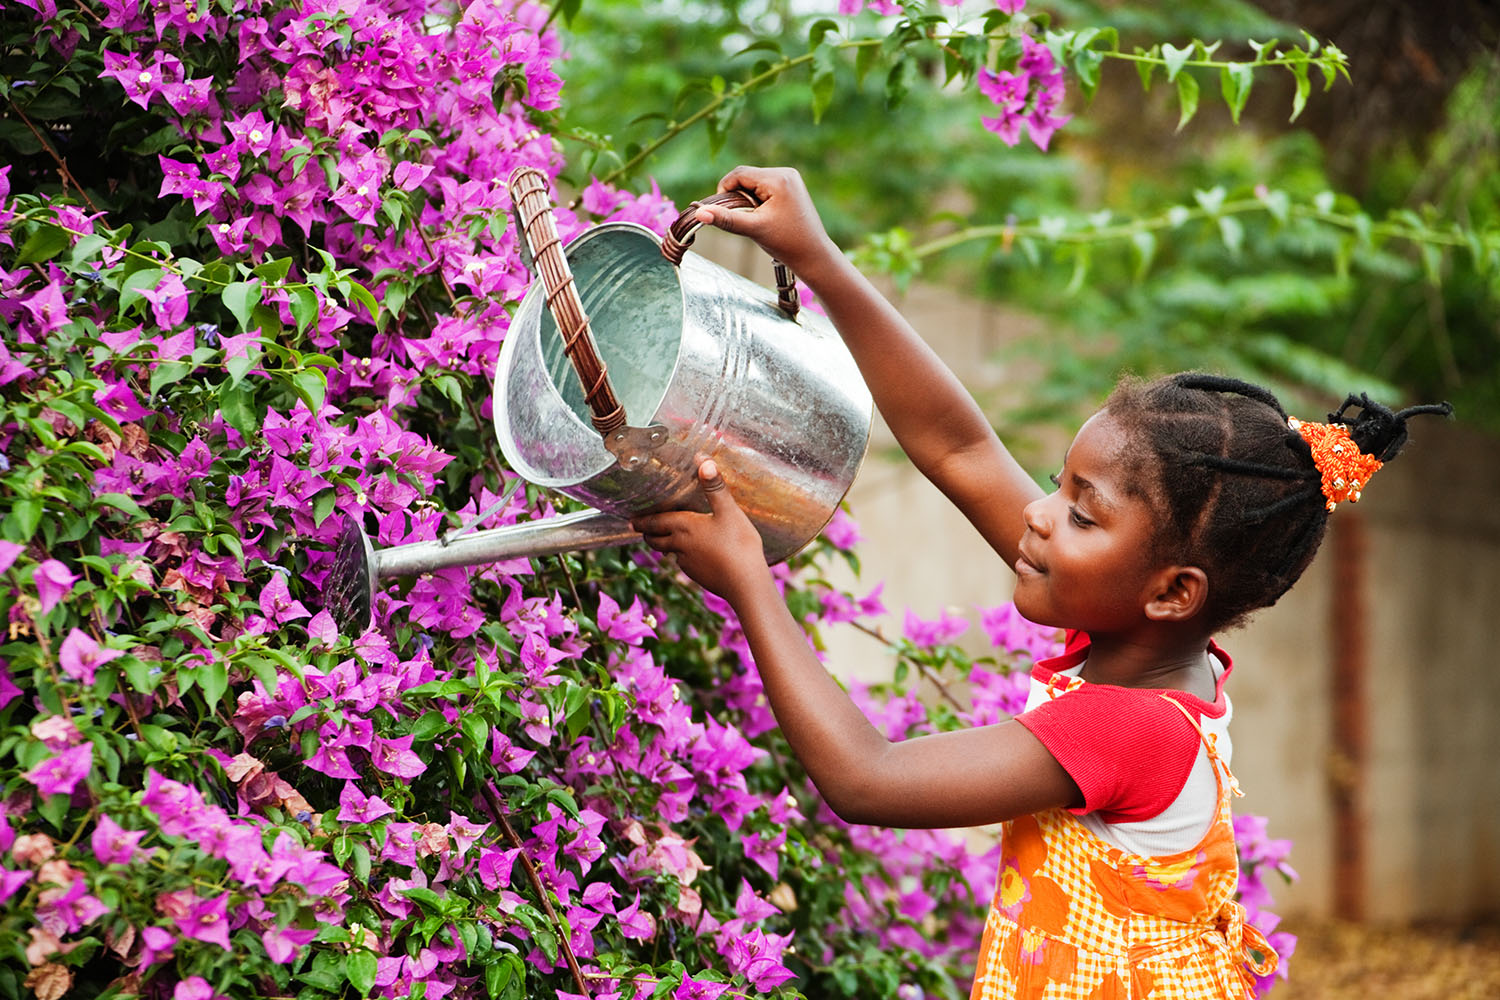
[(1181, 506)]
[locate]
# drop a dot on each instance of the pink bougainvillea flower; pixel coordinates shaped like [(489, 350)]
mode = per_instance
[(395, 756), (283, 944), (57, 732), (933, 633), (9, 692), (1009, 631), (69, 910), (8, 553), (119, 401), (113, 844), (357, 807), (1010, 6), (495, 867), (156, 944), (629, 627), (54, 581), (634, 923), (61, 774), (699, 989), (193, 988), (207, 920), (507, 755), (277, 603), (11, 882), (80, 656)]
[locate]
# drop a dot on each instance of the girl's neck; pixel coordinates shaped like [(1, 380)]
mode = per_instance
[(1177, 662)]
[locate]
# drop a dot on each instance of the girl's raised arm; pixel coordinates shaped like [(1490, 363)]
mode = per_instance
[(935, 419)]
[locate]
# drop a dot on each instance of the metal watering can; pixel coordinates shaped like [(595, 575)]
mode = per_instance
[(624, 367)]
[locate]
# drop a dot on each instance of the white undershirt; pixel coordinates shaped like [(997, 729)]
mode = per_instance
[(1181, 825)]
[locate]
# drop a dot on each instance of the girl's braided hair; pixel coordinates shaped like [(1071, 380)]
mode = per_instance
[(1234, 486)]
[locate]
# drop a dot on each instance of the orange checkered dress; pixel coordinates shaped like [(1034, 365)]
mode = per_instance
[(1075, 918)]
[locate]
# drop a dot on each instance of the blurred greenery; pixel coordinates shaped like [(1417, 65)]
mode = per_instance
[(1308, 307)]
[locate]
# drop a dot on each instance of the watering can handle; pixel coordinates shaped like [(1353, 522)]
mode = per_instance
[(528, 193), (682, 232)]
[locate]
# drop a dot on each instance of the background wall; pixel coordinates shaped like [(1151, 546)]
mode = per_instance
[(1418, 582)]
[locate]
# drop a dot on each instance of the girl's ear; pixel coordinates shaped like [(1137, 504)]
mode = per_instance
[(1177, 594)]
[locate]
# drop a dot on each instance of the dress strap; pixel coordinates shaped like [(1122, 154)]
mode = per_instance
[(1211, 743)]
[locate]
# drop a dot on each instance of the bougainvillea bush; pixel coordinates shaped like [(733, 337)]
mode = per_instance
[(255, 269)]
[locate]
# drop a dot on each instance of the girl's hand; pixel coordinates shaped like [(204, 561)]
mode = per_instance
[(721, 551), (786, 225)]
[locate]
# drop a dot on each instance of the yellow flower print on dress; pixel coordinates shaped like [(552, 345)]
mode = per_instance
[(1166, 874)]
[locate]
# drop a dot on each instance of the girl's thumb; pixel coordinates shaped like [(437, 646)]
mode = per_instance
[(712, 483)]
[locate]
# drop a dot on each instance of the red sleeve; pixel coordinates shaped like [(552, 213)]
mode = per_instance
[(1130, 752)]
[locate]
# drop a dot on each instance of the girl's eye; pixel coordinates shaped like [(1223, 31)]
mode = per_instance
[(1078, 518)]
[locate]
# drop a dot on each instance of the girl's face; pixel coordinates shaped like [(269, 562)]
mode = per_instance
[(1085, 558)]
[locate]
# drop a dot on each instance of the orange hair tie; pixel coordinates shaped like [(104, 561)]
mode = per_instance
[(1346, 470)]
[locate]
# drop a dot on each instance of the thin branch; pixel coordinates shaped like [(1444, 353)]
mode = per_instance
[(63, 172), (497, 808)]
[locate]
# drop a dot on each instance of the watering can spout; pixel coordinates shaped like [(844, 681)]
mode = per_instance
[(357, 565)]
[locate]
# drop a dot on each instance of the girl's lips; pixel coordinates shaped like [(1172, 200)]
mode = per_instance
[(1025, 566)]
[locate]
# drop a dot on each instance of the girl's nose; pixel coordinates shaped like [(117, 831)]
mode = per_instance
[(1035, 516)]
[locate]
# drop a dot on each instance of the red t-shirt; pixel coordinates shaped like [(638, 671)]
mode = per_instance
[(1127, 749)]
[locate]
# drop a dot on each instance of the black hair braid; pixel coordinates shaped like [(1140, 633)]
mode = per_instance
[(1234, 485), (1376, 429)]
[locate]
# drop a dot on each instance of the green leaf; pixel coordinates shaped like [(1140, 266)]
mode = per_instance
[(1235, 80), (213, 681), (130, 288), (241, 298), (304, 306), (361, 967), (43, 244), (1278, 204), (1175, 59), (168, 373), (1232, 233), (1145, 68), (1304, 87), (864, 61), (86, 247), (21, 522), (822, 80), (1211, 201), (1187, 98), (1086, 64), (820, 28), (120, 501), (311, 386), (238, 404), (274, 271), (1144, 244), (323, 505), (899, 80)]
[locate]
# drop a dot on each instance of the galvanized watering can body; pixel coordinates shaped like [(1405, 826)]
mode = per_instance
[(625, 366), (706, 365)]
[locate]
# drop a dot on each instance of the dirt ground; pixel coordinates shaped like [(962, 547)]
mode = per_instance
[(1340, 961)]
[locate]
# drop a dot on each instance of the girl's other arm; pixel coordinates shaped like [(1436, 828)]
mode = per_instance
[(976, 776), (933, 416)]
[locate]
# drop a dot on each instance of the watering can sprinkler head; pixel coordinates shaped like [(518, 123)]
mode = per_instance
[(358, 566)]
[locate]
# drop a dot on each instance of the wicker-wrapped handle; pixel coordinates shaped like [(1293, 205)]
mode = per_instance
[(681, 234), (528, 192)]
